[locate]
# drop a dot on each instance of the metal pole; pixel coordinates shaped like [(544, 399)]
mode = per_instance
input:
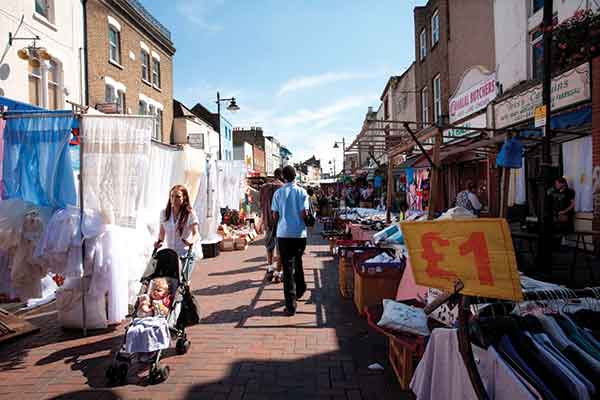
[(545, 203), (81, 215), (343, 155), (219, 121)]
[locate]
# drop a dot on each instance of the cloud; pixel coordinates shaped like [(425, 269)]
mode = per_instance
[(305, 82), (323, 115), (199, 13)]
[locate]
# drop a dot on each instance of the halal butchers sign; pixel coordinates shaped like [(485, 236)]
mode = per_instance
[(475, 98), (479, 252), (569, 88)]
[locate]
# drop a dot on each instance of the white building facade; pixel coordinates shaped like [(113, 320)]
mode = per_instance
[(60, 75)]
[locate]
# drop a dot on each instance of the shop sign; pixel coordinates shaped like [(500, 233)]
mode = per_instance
[(479, 121), (569, 88), (479, 252), (476, 98)]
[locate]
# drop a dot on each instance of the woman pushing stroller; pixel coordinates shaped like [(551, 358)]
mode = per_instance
[(178, 222), (165, 304)]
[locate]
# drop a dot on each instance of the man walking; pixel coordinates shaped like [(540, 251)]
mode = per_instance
[(290, 209), (266, 197)]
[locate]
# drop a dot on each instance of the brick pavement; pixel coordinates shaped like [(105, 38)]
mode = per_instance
[(245, 348)]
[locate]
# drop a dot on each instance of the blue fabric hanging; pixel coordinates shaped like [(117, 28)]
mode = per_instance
[(37, 163), (511, 154)]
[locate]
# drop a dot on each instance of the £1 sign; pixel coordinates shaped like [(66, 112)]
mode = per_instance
[(479, 252)]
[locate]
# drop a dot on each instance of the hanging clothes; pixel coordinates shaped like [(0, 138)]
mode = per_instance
[(115, 163), (194, 167), (36, 163), (577, 162), (516, 187), (442, 370), (206, 206)]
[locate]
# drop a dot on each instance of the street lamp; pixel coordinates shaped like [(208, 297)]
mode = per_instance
[(233, 107), (336, 146)]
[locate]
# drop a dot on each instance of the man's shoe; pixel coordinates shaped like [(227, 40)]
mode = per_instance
[(289, 312), (269, 275)]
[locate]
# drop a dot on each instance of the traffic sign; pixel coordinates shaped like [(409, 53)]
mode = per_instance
[(539, 116), (479, 252)]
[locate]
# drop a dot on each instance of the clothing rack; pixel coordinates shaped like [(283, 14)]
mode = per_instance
[(463, 323)]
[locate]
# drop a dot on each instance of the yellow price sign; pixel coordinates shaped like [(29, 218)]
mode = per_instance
[(479, 252)]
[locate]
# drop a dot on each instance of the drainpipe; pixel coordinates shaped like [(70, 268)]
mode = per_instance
[(85, 54)]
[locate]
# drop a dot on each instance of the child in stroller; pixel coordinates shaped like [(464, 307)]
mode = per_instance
[(164, 306)]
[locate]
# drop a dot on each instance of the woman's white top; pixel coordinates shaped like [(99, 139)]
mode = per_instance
[(172, 237)]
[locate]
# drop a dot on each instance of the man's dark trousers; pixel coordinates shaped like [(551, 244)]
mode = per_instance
[(294, 285)]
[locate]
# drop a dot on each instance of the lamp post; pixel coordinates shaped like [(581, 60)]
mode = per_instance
[(336, 146), (231, 107)]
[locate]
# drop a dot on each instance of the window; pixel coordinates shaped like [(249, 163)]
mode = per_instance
[(113, 95), (537, 5), (35, 86), (53, 94), (435, 28), (437, 98), (143, 108), (145, 66), (424, 106), (155, 72), (114, 44), (423, 42), (44, 8), (537, 54)]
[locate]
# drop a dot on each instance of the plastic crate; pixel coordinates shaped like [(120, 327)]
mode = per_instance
[(371, 288), (405, 350), (210, 250), (345, 269)]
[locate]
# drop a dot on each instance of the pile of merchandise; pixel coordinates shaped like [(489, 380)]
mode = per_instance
[(236, 237)]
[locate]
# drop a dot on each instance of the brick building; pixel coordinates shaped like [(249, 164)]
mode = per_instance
[(255, 137), (129, 62)]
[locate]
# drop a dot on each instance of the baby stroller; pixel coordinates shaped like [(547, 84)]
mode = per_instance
[(183, 312)]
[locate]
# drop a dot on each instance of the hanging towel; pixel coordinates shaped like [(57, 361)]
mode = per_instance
[(37, 163)]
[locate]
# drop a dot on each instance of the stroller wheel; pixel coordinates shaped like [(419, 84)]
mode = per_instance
[(123, 372), (182, 346), (159, 374)]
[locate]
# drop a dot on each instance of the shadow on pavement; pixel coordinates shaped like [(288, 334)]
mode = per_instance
[(237, 271)]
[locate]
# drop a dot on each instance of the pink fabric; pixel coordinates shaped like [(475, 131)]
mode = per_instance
[(2, 122), (408, 288), (358, 233)]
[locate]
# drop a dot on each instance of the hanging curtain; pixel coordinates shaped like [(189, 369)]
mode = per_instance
[(516, 186), (194, 166), (36, 163), (230, 178), (577, 162), (116, 153), (163, 173), (206, 206)]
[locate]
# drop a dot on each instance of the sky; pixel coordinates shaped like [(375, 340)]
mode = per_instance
[(304, 70)]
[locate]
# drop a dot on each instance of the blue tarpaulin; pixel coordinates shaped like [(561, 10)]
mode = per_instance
[(37, 163), (14, 105)]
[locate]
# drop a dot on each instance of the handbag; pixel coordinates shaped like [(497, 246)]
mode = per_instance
[(190, 310), (310, 219)]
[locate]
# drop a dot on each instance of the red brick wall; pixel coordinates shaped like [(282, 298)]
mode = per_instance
[(596, 133)]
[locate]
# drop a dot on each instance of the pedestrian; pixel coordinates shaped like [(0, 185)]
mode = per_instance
[(178, 222), (468, 199), (290, 209), (266, 193), (563, 206)]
